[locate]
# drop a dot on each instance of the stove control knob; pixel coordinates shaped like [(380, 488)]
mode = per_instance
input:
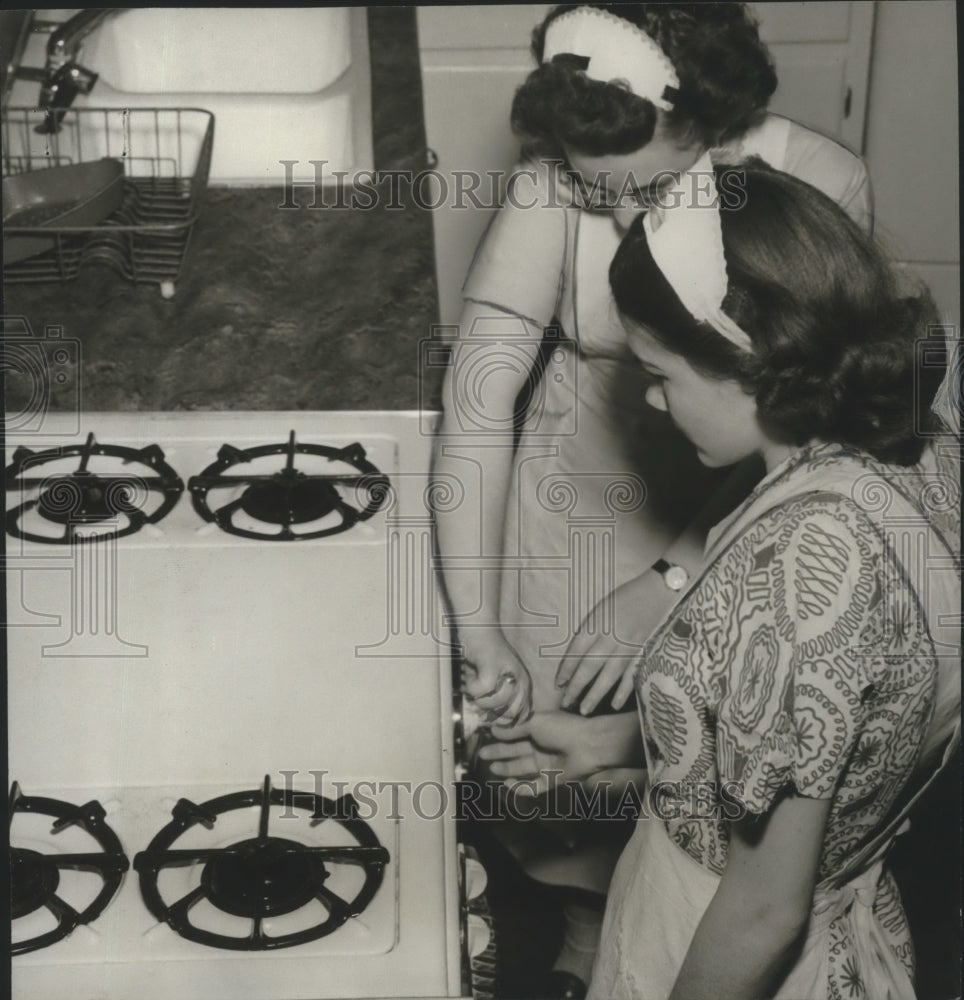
[(478, 935), (475, 878)]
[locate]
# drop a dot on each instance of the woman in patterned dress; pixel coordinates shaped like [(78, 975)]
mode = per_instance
[(804, 686)]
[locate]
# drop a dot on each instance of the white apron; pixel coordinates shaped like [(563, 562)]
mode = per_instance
[(679, 890)]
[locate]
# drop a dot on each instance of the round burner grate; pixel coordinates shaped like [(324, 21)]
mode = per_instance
[(35, 877), (81, 497), (33, 880), (290, 500), (268, 877), (263, 876), (282, 501)]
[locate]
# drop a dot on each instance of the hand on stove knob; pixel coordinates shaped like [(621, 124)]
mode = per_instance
[(562, 747), (499, 685)]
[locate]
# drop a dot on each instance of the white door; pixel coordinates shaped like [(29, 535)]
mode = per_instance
[(822, 56)]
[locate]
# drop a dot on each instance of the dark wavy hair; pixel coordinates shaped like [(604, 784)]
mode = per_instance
[(725, 72), (836, 342)]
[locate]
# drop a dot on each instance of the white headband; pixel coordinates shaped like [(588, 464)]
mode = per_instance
[(617, 51), (685, 237)]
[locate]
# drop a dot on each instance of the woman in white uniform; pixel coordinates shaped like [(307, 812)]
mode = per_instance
[(595, 487)]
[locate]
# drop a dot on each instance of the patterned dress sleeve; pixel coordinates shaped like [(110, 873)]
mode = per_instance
[(804, 587), (519, 264)]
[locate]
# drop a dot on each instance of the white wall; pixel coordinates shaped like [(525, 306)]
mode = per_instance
[(912, 141)]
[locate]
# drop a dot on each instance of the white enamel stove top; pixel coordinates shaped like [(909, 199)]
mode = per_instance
[(181, 662)]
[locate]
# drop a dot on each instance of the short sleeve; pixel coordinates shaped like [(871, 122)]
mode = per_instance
[(833, 169), (519, 264), (794, 686)]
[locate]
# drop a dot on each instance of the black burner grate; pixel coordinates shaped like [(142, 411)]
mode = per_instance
[(289, 497), (83, 498), (35, 877), (263, 876)]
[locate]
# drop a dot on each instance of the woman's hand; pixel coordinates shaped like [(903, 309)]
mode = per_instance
[(561, 747), (601, 661), (496, 681)]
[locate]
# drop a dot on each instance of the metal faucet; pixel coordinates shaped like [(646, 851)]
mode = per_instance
[(62, 79)]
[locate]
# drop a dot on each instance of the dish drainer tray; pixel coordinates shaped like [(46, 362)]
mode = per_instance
[(166, 154)]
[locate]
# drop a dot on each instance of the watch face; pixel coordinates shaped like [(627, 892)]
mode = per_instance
[(676, 577)]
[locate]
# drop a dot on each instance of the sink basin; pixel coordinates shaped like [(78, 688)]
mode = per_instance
[(222, 50), (289, 83)]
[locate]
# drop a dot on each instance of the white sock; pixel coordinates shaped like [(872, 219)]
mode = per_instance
[(583, 927)]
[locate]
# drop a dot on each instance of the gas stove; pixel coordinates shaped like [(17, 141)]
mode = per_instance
[(231, 717)]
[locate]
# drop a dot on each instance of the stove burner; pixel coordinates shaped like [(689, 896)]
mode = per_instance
[(33, 880), (85, 499), (273, 876), (289, 497), (35, 877), (294, 501), (82, 497), (263, 876)]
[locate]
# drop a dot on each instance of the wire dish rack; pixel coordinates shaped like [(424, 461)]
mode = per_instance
[(166, 153)]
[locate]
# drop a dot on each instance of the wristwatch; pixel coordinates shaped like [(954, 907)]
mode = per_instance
[(675, 577)]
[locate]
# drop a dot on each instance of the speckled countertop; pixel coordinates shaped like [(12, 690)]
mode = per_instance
[(275, 309)]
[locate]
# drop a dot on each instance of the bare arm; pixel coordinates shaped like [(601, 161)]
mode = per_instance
[(751, 929), (490, 363), (592, 666)]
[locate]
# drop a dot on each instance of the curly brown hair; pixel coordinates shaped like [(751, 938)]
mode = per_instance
[(725, 74)]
